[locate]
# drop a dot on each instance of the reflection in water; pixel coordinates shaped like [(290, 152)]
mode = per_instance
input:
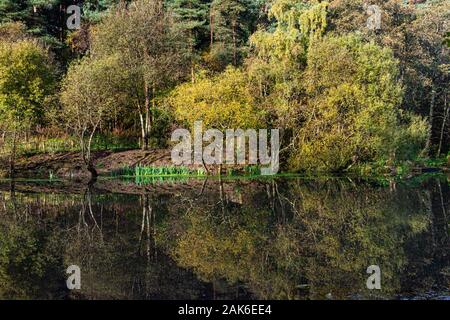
[(268, 239)]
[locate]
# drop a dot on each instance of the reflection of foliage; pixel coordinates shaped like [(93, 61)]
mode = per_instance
[(29, 257), (288, 239), (336, 232), (348, 230), (110, 257), (221, 248)]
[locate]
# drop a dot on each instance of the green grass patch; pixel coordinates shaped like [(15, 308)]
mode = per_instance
[(153, 171)]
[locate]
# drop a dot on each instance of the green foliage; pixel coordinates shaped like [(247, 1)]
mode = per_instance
[(311, 68), (26, 81), (249, 170), (352, 114), (145, 175), (280, 55), (221, 102), (152, 54), (43, 18), (145, 37), (12, 31), (414, 33), (95, 10), (232, 24), (191, 17), (86, 92), (87, 101), (101, 142)]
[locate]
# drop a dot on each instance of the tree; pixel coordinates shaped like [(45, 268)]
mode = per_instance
[(95, 10), (415, 34), (153, 54), (13, 31), (352, 111), (330, 102), (221, 102), (231, 23), (191, 17), (87, 100), (279, 55), (44, 19), (26, 81)]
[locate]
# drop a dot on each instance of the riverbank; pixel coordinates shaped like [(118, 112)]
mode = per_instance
[(69, 165)]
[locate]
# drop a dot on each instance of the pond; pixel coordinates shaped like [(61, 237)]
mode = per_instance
[(282, 238)]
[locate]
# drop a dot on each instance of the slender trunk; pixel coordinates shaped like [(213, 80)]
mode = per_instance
[(12, 159), (204, 166), (12, 189), (87, 155), (141, 120), (92, 171), (234, 43), (211, 27), (191, 48), (146, 123), (430, 123), (439, 219), (144, 200), (222, 195), (152, 111), (444, 124)]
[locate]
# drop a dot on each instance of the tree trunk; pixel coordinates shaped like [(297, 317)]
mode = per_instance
[(211, 27), (93, 172), (234, 43), (141, 120), (147, 120), (427, 150), (12, 158), (87, 155), (444, 124)]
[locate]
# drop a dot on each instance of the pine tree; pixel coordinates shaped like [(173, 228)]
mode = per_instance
[(94, 10), (191, 19), (231, 23)]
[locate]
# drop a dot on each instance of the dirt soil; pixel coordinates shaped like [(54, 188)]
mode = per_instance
[(70, 164)]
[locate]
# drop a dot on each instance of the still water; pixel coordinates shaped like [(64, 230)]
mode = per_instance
[(287, 238)]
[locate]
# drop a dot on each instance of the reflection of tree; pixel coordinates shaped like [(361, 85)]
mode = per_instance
[(334, 232), (30, 263), (148, 230), (428, 253), (126, 263), (84, 230), (266, 239)]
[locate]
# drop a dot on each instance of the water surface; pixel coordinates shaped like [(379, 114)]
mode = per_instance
[(286, 238)]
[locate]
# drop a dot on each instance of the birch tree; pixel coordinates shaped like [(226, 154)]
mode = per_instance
[(153, 53), (87, 101)]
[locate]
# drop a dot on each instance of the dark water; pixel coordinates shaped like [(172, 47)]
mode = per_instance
[(287, 238)]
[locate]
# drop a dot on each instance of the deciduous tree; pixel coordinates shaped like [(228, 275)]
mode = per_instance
[(26, 81)]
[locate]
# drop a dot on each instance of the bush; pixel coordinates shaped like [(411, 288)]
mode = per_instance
[(352, 112)]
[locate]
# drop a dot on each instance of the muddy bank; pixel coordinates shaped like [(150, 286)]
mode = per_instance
[(70, 164)]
